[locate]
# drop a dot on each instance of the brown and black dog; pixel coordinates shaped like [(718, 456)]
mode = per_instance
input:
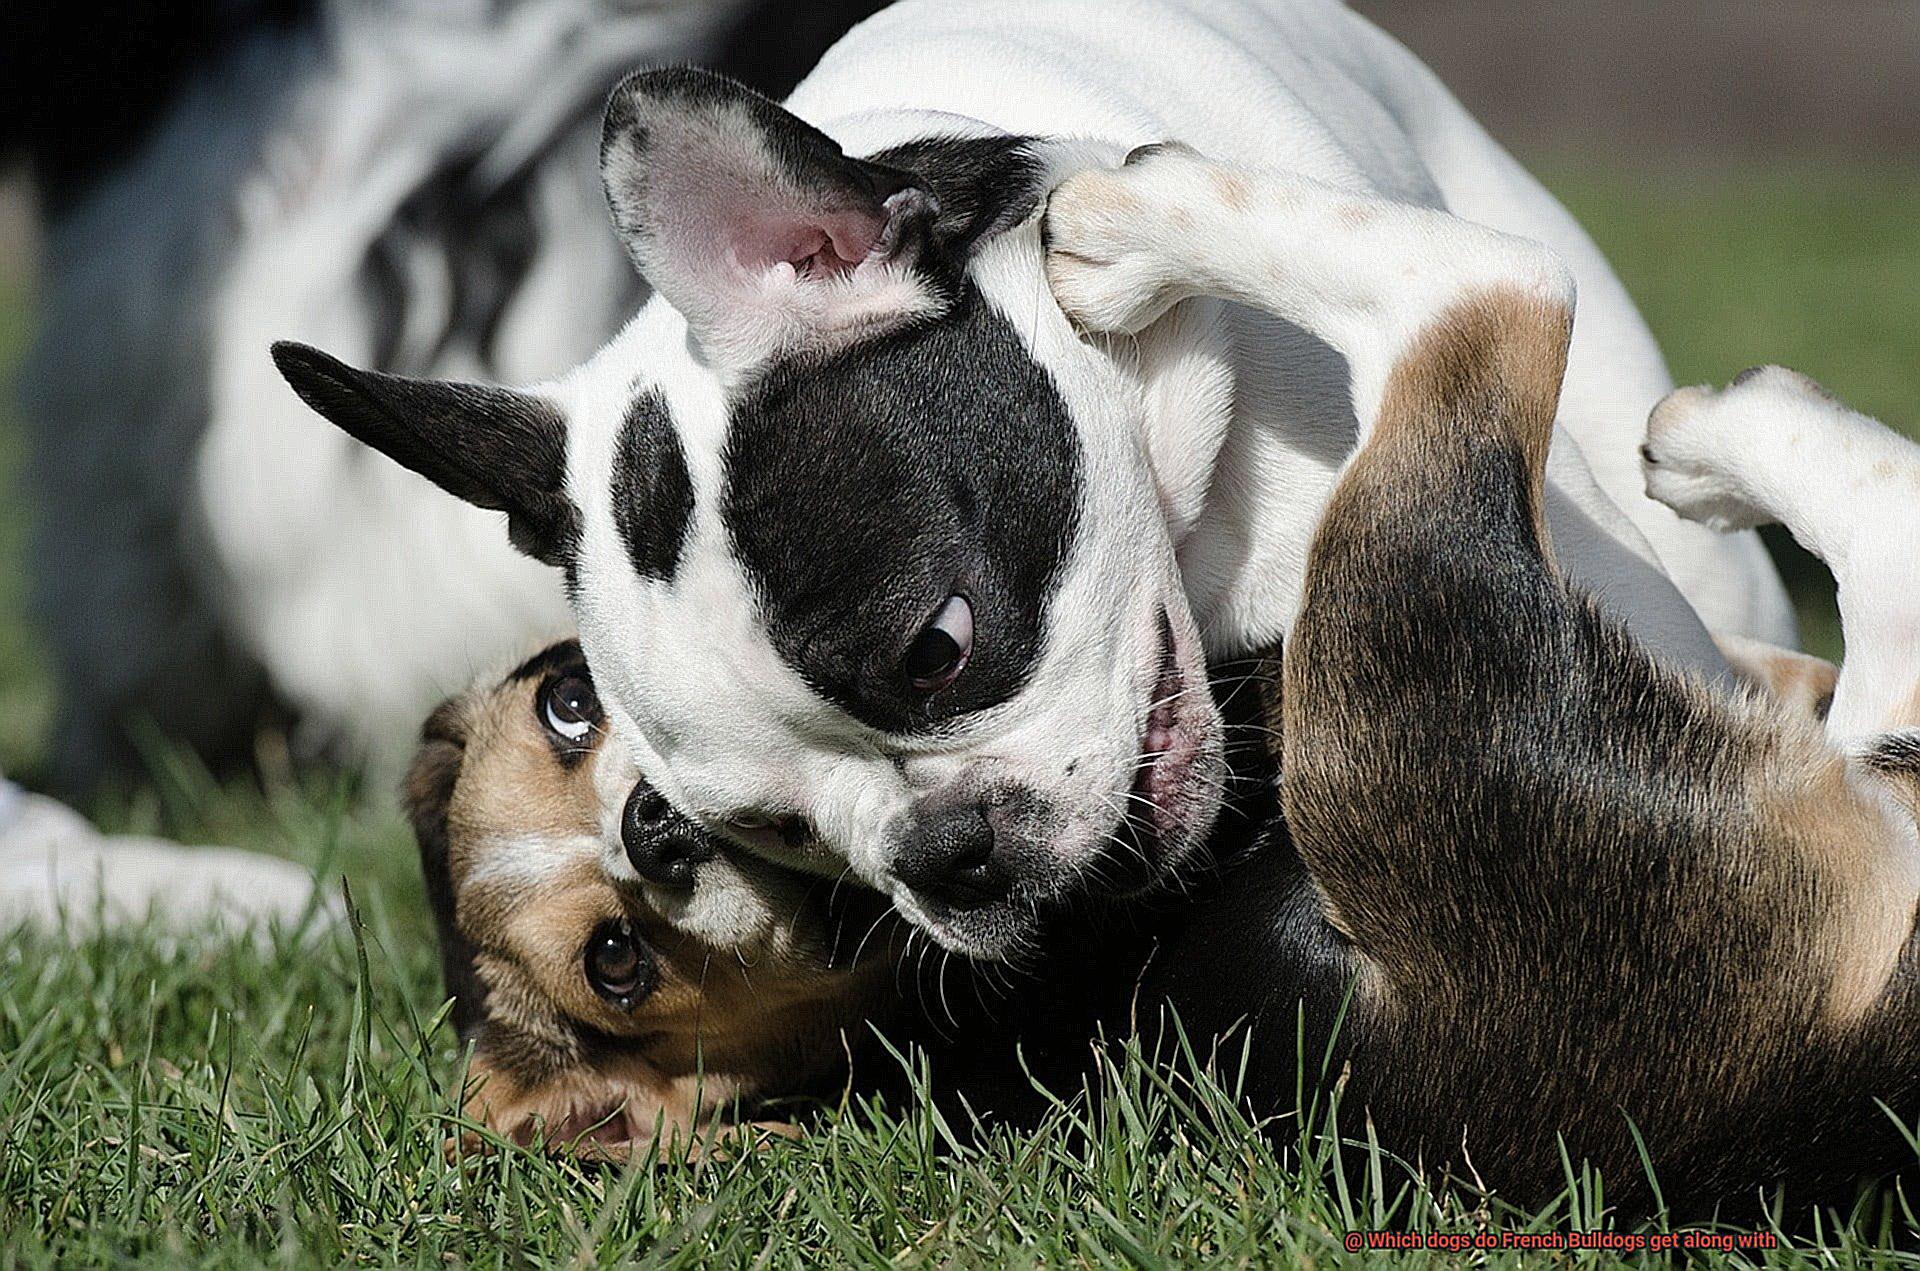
[(1582, 900), (604, 1009), (624, 977)]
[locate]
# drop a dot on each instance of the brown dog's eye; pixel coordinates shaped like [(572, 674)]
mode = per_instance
[(617, 968), (569, 707)]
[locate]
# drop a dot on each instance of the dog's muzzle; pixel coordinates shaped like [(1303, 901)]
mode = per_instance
[(663, 846), (960, 854)]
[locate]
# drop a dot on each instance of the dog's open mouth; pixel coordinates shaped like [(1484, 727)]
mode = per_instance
[(1160, 804)]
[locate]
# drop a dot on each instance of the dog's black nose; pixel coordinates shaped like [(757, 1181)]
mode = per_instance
[(948, 857), (664, 847)]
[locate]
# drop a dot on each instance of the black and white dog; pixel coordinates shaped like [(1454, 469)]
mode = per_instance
[(880, 562), (412, 181)]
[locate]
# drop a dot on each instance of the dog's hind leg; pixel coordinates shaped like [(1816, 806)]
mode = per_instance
[(1775, 446), (1549, 854)]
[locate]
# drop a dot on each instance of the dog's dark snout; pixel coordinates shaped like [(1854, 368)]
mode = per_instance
[(949, 857), (664, 846)]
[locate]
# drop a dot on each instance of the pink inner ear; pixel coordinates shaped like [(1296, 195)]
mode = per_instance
[(817, 246)]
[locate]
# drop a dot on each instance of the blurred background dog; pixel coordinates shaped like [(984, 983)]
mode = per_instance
[(416, 179)]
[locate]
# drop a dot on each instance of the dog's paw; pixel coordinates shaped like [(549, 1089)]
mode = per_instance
[(1709, 454), (1118, 239)]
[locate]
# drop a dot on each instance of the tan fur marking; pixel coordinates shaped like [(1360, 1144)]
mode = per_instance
[(1492, 362), (511, 785), (1796, 680), (1852, 841), (521, 826), (547, 932), (709, 1018), (1235, 191)]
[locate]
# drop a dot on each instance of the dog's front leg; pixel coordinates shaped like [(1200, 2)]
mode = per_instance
[(1369, 277)]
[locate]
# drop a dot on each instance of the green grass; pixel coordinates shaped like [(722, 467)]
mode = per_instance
[(228, 1104), (232, 1102), (1811, 266)]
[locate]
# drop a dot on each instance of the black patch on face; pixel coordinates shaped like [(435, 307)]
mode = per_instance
[(864, 490), (652, 493)]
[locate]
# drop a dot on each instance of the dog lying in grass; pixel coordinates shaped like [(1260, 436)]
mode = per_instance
[(623, 976), (601, 1008), (1543, 897)]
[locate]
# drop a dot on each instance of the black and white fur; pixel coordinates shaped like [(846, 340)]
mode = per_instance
[(413, 181), (853, 400)]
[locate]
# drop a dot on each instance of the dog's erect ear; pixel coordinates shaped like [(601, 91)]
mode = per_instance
[(755, 225), (496, 448)]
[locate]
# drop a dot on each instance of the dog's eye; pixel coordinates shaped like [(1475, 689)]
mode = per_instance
[(770, 833), (568, 706), (940, 652), (616, 967)]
